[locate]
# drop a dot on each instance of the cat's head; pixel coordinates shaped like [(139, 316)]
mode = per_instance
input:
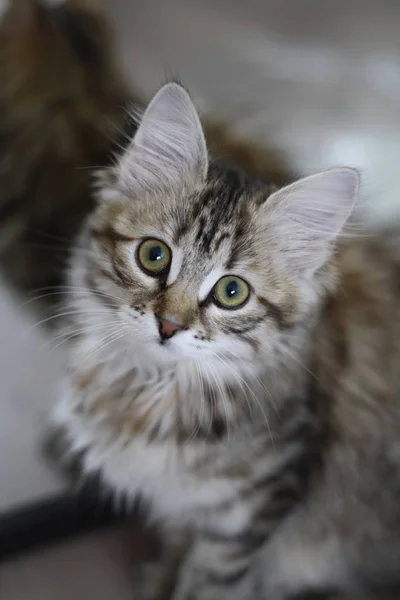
[(194, 261)]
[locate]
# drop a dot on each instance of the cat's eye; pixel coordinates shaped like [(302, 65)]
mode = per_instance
[(231, 292), (153, 257)]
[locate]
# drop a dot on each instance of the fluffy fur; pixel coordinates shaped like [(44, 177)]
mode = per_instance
[(268, 432), (193, 426), (215, 427)]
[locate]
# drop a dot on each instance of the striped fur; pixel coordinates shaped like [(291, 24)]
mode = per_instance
[(285, 495), (268, 433), (214, 427)]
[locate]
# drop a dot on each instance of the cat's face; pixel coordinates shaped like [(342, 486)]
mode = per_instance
[(194, 274), (197, 263)]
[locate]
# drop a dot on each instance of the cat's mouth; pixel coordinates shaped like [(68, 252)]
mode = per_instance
[(164, 343), (168, 348), (173, 351)]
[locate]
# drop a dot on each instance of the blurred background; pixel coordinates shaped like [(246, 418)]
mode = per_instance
[(320, 82)]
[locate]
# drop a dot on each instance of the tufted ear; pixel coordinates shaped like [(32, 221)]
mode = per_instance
[(304, 219), (169, 148)]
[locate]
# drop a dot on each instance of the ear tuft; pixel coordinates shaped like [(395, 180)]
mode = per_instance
[(307, 217), (169, 148)]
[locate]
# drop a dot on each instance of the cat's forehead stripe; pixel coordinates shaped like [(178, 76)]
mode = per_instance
[(216, 206)]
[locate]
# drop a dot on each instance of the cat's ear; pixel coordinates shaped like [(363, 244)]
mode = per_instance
[(169, 148), (305, 218)]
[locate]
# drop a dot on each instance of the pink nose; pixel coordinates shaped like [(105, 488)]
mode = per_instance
[(168, 328)]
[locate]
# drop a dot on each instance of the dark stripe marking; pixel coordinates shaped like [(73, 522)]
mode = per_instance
[(274, 311)]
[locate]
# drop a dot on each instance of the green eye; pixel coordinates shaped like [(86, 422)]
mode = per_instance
[(153, 257), (230, 292)]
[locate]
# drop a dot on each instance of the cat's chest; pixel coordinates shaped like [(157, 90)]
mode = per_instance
[(132, 435), (171, 479)]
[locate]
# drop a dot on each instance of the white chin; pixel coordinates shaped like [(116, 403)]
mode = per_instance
[(165, 352), (173, 352)]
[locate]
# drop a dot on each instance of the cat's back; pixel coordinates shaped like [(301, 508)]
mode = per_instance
[(355, 496), (369, 277), (345, 537), (357, 346)]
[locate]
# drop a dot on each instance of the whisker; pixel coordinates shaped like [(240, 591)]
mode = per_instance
[(70, 289), (111, 338), (86, 292), (302, 365), (72, 241), (90, 168), (67, 336), (212, 401), (67, 248), (197, 427), (60, 315), (223, 398), (252, 373), (253, 394), (240, 381)]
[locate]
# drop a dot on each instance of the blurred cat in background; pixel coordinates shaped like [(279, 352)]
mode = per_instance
[(63, 114), (62, 106)]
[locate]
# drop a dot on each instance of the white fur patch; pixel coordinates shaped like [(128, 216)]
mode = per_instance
[(209, 283), (161, 472)]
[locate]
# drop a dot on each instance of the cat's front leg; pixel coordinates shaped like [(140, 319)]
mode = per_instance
[(217, 569)]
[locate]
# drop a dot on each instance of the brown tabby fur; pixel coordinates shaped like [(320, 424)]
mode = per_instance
[(337, 331), (347, 534), (63, 109)]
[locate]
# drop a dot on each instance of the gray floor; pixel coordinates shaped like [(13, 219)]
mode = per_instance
[(321, 81)]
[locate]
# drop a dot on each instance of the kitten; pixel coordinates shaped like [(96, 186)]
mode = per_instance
[(236, 365), (63, 112)]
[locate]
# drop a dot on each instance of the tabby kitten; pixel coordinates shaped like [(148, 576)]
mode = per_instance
[(203, 301)]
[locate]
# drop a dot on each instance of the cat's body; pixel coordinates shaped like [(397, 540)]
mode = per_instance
[(345, 536), (347, 532), (214, 427), (198, 442), (289, 495)]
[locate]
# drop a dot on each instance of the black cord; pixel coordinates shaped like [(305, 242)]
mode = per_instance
[(57, 519)]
